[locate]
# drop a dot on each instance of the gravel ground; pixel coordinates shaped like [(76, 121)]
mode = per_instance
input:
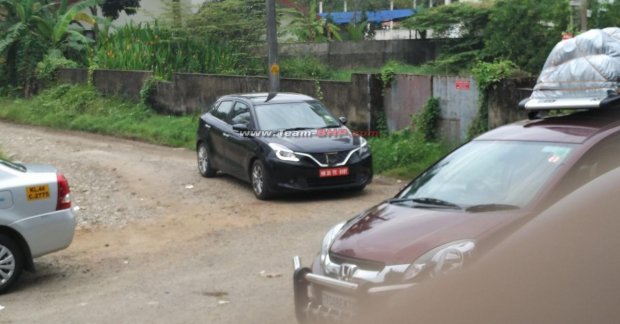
[(158, 243)]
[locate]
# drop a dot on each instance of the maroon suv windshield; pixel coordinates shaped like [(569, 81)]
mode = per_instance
[(507, 173)]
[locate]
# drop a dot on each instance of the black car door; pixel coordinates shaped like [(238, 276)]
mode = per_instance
[(240, 148), (218, 130)]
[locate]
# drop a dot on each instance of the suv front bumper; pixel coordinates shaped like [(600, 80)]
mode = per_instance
[(308, 287)]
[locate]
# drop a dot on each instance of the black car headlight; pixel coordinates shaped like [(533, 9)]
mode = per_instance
[(363, 146), (283, 153), (441, 260)]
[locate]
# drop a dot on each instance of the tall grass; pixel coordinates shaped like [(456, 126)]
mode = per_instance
[(164, 50), (83, 108), (405, 153)]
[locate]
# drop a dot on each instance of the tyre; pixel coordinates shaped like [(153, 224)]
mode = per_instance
[(260, 181), (204, 164), (11, 262)]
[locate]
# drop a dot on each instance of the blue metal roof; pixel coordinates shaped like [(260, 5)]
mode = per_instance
[(377, 17)]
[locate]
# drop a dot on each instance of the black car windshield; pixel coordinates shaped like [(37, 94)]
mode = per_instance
[(294, 115), (485, 174)]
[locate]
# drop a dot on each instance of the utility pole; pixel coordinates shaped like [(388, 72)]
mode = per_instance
[(583, 15), (272, 44)]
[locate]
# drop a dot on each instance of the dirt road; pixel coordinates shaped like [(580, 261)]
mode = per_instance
[(157, 243)]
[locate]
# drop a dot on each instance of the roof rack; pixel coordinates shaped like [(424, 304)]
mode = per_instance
[(580, 73)]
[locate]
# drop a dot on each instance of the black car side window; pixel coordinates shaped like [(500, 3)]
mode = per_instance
[(223, 110), (241, 115)]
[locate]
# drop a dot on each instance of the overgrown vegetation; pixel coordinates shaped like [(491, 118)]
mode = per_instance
[(408, 152), (83, 108), (164, 51), (30, 29), (307, 67), (426, 123), (488, 76), (404, 153)]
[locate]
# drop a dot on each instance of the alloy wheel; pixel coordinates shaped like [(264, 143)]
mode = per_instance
[(257, 179), (7, 265), (203, 159)]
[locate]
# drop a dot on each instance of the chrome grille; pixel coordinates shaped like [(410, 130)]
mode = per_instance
[(330, 158)]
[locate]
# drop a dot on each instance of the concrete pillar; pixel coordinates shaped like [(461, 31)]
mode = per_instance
[(345, 5), (320, 7)]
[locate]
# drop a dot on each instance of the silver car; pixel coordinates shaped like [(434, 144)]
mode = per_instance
[(35, 217)]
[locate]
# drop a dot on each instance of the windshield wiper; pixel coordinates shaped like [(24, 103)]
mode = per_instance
[(426, 202), (490, 207), (294, 129)]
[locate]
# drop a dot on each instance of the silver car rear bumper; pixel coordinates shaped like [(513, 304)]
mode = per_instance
[(47, 233)]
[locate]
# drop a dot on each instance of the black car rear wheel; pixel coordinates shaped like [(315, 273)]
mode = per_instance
[(204, 164), (11, 263), (260, 181)]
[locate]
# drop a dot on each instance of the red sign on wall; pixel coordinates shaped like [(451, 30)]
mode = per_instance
[(462, 84)]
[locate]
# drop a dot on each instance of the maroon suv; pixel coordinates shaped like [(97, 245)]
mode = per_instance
[(472, 197)]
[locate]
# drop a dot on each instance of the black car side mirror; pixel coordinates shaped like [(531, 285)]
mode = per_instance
[(343, 120), (240, 128)]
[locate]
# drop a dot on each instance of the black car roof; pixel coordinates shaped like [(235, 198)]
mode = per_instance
[(261, 97)]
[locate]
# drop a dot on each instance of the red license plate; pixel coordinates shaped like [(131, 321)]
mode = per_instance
[(334, 172)]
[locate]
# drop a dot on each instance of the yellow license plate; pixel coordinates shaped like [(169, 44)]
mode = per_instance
[(38, 192)]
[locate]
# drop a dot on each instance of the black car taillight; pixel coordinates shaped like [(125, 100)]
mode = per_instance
[(64, 200)]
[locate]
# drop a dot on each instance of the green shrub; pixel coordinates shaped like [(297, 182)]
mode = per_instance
[(427, 121), (53, 61), (305, 68)]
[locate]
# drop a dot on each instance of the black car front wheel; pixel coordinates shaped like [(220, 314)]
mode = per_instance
[(11, 263), (204, 164), (260, 181)]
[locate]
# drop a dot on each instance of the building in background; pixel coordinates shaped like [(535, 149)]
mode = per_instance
[(151, 9)]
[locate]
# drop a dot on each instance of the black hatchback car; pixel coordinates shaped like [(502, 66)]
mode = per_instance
[(281, 142)]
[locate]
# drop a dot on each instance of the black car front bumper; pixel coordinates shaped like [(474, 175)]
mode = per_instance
[(304, 175)]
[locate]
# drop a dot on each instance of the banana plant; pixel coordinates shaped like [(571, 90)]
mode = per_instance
[(32, 28), (309, 27)]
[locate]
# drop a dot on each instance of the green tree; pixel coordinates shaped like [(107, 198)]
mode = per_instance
[(112, 8), (525, 31), (461, 25), (604, 14)]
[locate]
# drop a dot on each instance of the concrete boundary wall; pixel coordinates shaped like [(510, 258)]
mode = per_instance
[(348, 54), (363, 100)]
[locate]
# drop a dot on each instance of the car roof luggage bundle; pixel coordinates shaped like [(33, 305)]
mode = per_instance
[(580, 73)]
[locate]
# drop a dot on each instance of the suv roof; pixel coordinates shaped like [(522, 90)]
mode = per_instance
[(574, 128)]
